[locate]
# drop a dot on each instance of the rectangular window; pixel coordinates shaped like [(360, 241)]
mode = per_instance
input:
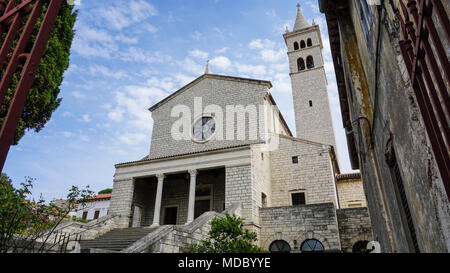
[(298, 199), (85, 214), (96, 214), (295, 159)]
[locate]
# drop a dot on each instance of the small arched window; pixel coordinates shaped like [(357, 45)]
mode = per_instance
[(302, 44), (309, 62), (279, 246), (300, 64), (309, 42), (312, 245), (295, 46), (310, 103)]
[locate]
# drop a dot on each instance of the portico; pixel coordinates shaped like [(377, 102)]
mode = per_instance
[(175, 191)]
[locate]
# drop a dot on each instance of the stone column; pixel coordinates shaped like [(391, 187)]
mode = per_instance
[(191, 208), (158, 200)]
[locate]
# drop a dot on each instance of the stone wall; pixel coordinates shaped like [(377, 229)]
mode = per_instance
[(238, 189), (299, 223), (313, 174), (121, 200), (213, 90), (351, 192), (354, 226)]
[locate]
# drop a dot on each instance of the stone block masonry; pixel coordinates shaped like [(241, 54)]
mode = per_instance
[(121, 200), (354, 226), (295, 224)]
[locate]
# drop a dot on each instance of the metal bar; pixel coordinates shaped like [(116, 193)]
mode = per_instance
[(20, 47), (26, 81), (430, 123), (438, 46), (441, 54), (16, 9), (9, 6), (437, 106), (418, 40), (443, 17), (6, 47)]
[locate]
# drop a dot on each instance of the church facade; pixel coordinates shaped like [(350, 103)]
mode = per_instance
[(220, 142)]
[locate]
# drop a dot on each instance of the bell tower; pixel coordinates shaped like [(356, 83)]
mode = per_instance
[(309, 83)]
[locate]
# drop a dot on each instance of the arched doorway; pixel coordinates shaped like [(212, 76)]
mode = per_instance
[(360, 247)]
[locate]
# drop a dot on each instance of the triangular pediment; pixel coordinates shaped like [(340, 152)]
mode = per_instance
[(209, 76)]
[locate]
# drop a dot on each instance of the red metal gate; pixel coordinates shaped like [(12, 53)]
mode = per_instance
[(422, 49), (12, 18)]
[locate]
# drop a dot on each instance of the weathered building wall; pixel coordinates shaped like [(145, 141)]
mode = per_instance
[(354, 225), (299, 223), (386, 124), (313, 174)]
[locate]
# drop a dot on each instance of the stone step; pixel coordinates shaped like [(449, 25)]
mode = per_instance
[(117, 239)]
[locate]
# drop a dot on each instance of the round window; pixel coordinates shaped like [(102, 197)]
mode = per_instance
[(204, 129)]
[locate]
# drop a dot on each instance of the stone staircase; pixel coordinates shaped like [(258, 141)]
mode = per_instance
[(116, 239)]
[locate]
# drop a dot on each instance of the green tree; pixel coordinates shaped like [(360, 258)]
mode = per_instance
[(43, 96), (227, 235), (105, 191), (27, 225)]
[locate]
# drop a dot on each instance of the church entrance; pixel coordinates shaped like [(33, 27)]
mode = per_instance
[(209, 196)]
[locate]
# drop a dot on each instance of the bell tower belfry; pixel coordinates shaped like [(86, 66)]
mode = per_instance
[(309, 83)]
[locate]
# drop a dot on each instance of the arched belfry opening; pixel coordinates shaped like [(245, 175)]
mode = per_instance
[(309, 62), (295, 46), (300, 64), (302, 44), (309, 42)]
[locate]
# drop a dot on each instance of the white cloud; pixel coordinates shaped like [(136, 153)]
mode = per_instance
[(222, 50), (269, 51), (67, 134), (119, 15), (221, 62), (78, 95), (191, 66), (251, 70), (196, 53), (132, 138), (103, 70), (196, 36), (150, 28), (85, 118)]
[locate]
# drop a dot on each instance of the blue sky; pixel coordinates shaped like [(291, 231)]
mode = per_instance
[(128, 55)]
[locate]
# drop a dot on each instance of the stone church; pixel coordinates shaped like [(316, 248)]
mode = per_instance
[(237, 154)]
